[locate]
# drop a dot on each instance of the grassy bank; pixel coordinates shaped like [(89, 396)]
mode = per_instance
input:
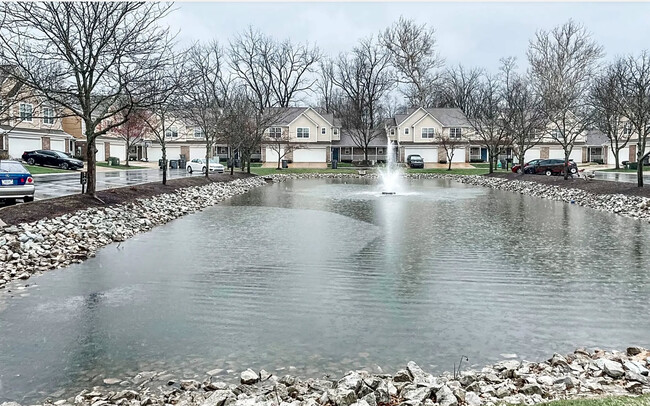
[(273, 171), (37, 170), (610, 401)]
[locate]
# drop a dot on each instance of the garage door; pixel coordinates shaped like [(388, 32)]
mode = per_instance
[(154, 153), (19, 145), (459, 155), (197, 152), (309, 155), (427, 154), (532, 154), (57, 145), (556, 153), (118, 151), (272, 156), (99, 156)]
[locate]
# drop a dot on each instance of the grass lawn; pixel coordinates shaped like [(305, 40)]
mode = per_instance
[(106, 165), (610, 401), (463, 171), (272, 171), (37, 170)]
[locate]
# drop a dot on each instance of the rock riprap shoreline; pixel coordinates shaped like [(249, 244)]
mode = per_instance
[(31, 248), (583, 373)]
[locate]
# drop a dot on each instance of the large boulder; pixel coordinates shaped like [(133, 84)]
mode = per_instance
[(611, 368), (415, 393), (446, 397), (419, 376)]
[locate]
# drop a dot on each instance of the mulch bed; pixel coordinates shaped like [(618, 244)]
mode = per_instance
[(50, 208), (601, 187)]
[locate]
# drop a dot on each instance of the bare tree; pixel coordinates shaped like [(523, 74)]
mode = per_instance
[(412, 49), (207, 95), (365, 78), (237, 122), (330, 96), (90, 58), (166, 87), (563, 63), (450, 145), (133, 131), (458, 84), (633, 75), (485, 113), (279, 141), (275, 73), (523, 117), (606, 100)]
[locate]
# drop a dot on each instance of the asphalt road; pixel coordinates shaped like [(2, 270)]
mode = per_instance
[(55, 185)]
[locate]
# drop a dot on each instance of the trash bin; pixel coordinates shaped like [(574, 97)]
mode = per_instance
[(237, 163), (229, 163), (632, 165), (182, 163), (285, 164), (173, 163), (335, 164), (160, 164)]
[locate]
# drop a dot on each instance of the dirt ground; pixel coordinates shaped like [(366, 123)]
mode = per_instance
[(593, 186), (49, 208)]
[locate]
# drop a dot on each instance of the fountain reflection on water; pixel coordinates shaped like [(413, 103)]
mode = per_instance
[(392, 177)]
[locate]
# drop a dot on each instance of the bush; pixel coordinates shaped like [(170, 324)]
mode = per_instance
[(442, 161), (4, 154), (476, 160)]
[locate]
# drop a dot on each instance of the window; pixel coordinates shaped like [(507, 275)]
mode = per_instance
[(555, 134), (171, 132), (428, 133), (392, 131), (454, 133), (198, 132), (347, 151), (406, 131), (380, 151), (627, 129), (48, 115), (323, 130), (275, 132), (26, 110), (336, 131), (302, 132)]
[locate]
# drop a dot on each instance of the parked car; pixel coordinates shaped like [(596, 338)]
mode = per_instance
[(198, 164), (410, 157), (15, 182), (517, 168), (52, 158), (550, 167), (415, 161)]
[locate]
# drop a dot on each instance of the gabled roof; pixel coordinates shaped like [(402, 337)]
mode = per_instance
[(596, 137), (286, 115), (38, 131), (448, 117), (347, 141)]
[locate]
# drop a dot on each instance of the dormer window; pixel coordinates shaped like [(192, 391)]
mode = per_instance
[(275, 132), (26, 111), (336, 131)]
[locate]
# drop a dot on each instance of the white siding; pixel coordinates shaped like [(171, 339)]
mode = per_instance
[(459, 155), (18, 145), (427, 154), (309, 155)]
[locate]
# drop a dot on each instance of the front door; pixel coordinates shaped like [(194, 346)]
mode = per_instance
[(335, 154), (484, 156)]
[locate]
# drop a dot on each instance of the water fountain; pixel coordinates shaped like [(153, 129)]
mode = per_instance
[(391, 175)]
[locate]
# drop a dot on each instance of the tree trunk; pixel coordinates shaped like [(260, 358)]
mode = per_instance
[(128, 147), (566, 164), (207, 161), (248, 166), (639, 162), (91, 186), (164, 164), (522, 163), (449, 158), (491, 162), (279, 158), (616, 154)]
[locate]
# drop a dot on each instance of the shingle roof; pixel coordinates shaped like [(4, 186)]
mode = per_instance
[(286, 114), (39, 131), (347, 141), (448, 117), (596, 137)]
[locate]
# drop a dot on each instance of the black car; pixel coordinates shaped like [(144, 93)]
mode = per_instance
[(415, 161), (51, 158)]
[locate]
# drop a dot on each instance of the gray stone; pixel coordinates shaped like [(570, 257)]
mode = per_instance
[(218, 398), (558, 360), (531, 389), (402, 376), (112, 381), (446, 397), (419, 376), (345, 397), (472, 399), (545, 380), (351, 380), (214, 372), (249, 377), (416, 393), (612, 368), (633, 376)]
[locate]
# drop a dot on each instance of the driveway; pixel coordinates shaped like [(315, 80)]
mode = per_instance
[(55, 185)]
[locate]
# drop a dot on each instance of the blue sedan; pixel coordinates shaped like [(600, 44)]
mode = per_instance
[(15, 182)]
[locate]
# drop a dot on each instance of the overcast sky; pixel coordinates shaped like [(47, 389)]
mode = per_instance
[(474, 34)]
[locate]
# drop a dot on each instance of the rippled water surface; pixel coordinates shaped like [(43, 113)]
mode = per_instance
[(322, 276)]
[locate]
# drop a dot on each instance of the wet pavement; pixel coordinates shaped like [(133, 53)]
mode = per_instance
[(55, 185), (627, 177)]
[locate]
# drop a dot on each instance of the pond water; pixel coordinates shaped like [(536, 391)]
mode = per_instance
[(312, 277)]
